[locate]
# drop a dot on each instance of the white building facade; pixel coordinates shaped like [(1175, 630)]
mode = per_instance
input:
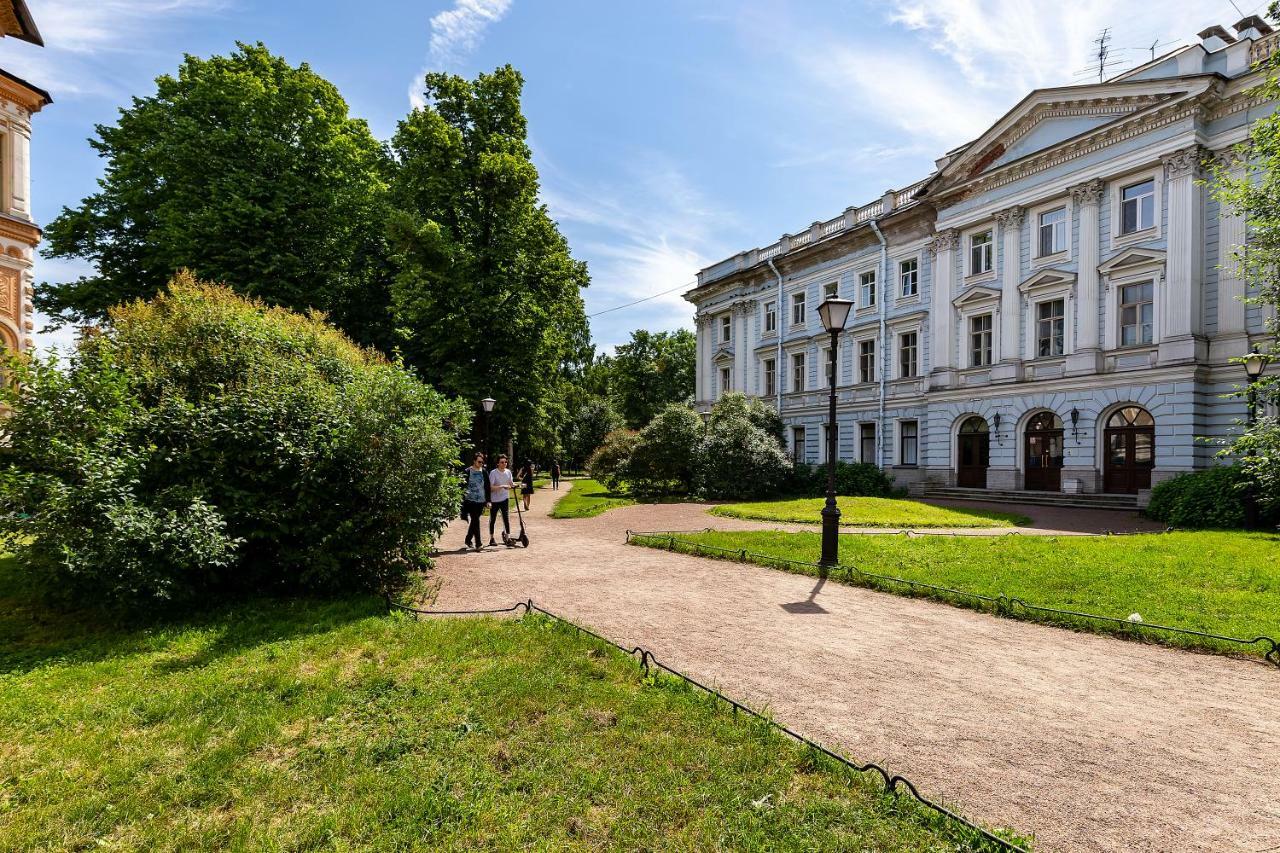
[(1054, 309)]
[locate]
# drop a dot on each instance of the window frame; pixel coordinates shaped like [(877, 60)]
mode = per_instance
[(914, 461), (914, 373), (726, 384), (799, 368), (830, 290), (799, 445), (969, 235), (770, 324), (862, 442), (1055, 252), (799, 300), (726, 328), (1121, 287), (868, 284), (915, 277), (769, 377), (862, 356), (1061, 321), (989, 332), (1117, 186)]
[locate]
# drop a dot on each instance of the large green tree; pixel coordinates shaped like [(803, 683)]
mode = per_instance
[(245, 170), (487, 297), (1255, 195), (652, 371)]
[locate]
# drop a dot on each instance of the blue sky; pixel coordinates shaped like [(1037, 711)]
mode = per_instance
[(669, 134)]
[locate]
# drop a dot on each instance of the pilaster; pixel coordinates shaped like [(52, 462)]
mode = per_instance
[(1085, 357), (942, 313), (1232, 339), (1010, 366), (1180, 321)]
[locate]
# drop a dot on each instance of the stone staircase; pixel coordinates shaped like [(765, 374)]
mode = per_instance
[(1079, 501)]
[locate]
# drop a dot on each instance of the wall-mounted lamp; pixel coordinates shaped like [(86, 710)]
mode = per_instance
[(996, 422), (1075, 425)]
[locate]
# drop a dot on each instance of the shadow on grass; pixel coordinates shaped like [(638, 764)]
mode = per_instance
[(34, 633)]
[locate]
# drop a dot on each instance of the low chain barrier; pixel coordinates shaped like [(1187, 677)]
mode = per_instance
[(894, 784), (1001, 605)]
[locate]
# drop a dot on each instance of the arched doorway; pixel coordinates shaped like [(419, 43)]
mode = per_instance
[(1043, 453), (1129, 451), (974, 454)]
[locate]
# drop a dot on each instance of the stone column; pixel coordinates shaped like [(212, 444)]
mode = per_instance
[(1086, 353), (741, 345), (1179, 317), (703, 325), (1010, 366), (1232, 338), (941, 311)]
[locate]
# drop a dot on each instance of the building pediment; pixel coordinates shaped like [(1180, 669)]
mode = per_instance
[(1132, 260), (723, 356), (1049, 279), (975, 297), (1048, 120)]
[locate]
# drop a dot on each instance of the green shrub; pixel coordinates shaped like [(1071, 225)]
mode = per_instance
[(663, 459), (203, 445), (608, 463), (853, 479), (761, 414), (738, 460), (1212, 498)]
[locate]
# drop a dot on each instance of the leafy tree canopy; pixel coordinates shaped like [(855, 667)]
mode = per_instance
[(245, 170), (651, 371)]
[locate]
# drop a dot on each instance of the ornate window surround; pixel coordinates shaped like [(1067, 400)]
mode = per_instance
[(1132, 266), (1116, 185), (1033, 219), (1046, 286)]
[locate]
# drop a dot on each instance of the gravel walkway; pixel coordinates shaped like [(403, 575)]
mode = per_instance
[(1089, 742)]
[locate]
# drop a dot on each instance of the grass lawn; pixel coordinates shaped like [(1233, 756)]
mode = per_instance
[(871, 512), (328, 725), (1213, 581), (586, 499)]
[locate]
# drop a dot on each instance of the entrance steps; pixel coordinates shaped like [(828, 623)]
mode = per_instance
[(1078, 501)]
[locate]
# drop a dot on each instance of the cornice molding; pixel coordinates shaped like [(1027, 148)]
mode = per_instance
[(16, 229)]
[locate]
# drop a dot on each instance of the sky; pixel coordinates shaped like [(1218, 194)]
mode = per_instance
[(668, 134)]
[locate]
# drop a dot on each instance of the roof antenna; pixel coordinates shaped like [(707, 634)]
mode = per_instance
[(1103, 41)]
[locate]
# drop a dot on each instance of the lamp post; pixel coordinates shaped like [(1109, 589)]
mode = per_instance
[(487, 405), (1254, 363), (834, 314)]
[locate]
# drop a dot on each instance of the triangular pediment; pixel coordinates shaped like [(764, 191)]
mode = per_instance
[(1050, 118), (1132, 259), (1047, 279), (723, 356), (976, 296)]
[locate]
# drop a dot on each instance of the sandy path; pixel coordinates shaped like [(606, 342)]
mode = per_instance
[(1091, 743)]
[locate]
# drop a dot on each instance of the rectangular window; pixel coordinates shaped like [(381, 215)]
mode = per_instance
[(909, 277), (827, 436), (797, 372), (797, 309), (980, 340), (867, 443), (908, 355), (1050, 323), (771, 316), (828, 366), (908, 442), (797, 445), (770, 377), (1138, 207), (867, 289), (831, 290), (726, 329), (1136, 313), (981, 253), (1053, 232), (726, 380), (867, 361)]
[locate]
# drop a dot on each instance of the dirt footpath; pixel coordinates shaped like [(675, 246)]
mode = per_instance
[(1090, 742)]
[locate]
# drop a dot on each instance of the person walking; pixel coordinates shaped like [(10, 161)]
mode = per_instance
[(526, 483), (555, 474), (475, 496), (500, 484)]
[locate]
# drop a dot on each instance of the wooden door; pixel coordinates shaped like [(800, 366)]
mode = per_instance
[(975, 458), (1044, 450), (1130, 456)]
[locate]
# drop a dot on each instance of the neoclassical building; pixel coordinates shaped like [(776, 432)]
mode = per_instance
[(19, 234), (1053, 309)]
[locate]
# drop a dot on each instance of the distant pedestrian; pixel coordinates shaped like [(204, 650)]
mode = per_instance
[(555, 474), (475, 496), (500, 484), (526, 483)]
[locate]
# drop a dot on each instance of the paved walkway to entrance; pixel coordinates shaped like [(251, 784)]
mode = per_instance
[(1090, 742)]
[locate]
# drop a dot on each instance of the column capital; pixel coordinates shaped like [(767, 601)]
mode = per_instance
[(1011, 217), (1186, 162), (1090, 192), (1230, 158), (944, 241)]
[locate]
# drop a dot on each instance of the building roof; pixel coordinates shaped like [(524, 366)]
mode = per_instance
[(16, 22), (29, 95)]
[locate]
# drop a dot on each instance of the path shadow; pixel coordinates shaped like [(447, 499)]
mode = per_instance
[(809, 605)]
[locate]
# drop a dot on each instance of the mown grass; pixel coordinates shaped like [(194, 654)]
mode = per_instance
[(870, 512), (587, 498), (1211, 581), (328, 725)]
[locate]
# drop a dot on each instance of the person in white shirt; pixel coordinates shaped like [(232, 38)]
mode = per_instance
[(500, 484)]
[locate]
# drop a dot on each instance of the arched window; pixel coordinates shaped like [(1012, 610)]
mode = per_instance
[(1042, 421), (973, 424), (1130, 416)]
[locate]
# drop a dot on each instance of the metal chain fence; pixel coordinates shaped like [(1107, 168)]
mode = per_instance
[(894, 784), (1001, 605)]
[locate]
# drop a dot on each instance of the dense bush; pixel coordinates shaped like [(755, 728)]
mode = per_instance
[(664, 456), (1214, 497), (759, 413), (203, 445), (853, 479), (739, 461), (607, 465)]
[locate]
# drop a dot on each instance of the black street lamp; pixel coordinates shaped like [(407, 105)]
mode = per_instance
[(1254, 363), (487, 405), (834, 314)]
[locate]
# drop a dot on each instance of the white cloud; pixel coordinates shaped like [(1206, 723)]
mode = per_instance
[(454, 34)]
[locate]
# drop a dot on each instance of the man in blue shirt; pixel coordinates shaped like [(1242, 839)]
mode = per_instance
[(475, 497)]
